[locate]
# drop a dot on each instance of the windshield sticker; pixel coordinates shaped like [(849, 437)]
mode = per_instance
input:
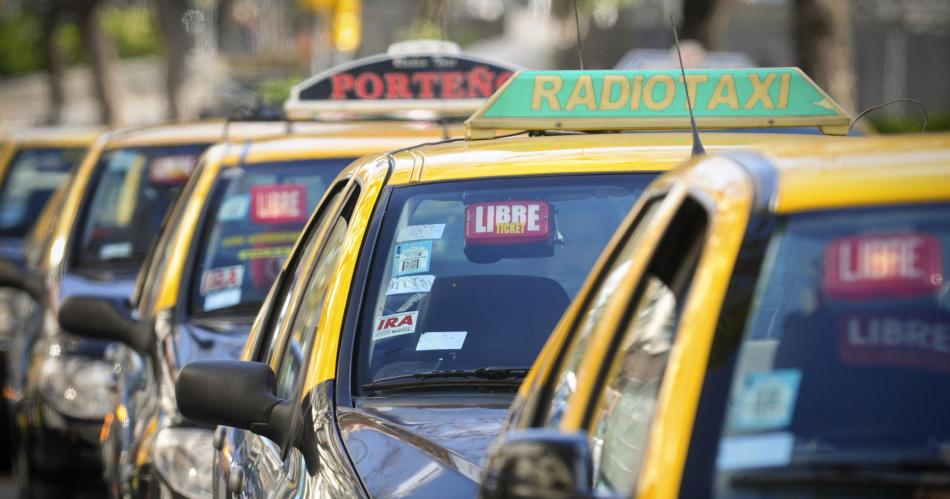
[(448, 340), (766, 400), (234, 208), (115, 250), (412, 258), (416, 232), (878, 266), (901, 339), (289, 236), (258, 253), (221, 299), (507, 222), (764, 450), (410, 284), (222, 278), (395, 325), (279, 203), (171, 170)]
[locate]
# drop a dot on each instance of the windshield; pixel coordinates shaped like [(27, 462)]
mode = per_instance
[(131, 193), (32, 177), (253, 218), (475, 274), (839, 383)]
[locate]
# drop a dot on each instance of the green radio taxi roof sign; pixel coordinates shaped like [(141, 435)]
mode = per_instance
[(656, 100)]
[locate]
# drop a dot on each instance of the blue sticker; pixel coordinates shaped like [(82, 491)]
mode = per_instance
[(234, 208), (761, 450), (766, 400), (412, 258)]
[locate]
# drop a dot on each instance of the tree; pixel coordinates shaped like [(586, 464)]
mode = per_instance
[(101, 57), (824, 47), (704, 21), (170, 17), (51, 15)]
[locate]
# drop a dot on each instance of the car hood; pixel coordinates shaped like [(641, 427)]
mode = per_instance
[(425, 445)]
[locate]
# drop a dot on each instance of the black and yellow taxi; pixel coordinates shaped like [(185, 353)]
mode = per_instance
[(387, 354), (33, 164), (221, 248), (769, 323), (108, 216)]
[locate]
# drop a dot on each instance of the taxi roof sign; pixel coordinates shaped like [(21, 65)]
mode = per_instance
[(655, 100), (402, 82)]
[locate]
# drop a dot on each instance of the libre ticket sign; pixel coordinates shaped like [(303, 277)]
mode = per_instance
[(627, 100), (448, 83), (278, 204), (883, 266), (507, 222)]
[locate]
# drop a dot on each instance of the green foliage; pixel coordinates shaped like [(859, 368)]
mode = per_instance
[(132, 28), (276, 90), (420, 30), (19, 43), (910, 124)]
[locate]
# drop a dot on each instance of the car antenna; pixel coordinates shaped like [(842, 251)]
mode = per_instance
[(923, 109), (697, 144), (577, 28), (442, 118)]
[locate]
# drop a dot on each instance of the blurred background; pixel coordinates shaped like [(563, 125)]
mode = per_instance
[(129, 62)]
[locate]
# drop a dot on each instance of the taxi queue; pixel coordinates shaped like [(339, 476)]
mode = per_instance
[(306, 323)]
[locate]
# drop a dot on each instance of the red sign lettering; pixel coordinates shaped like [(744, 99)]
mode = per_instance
[(864, 267), (278, 204), (369, 86), (507, 222), (342, 84)]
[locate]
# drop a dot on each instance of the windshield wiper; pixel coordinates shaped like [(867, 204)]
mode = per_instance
[(497, 376)]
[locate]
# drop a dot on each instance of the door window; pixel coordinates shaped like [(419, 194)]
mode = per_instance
[(624, 410)]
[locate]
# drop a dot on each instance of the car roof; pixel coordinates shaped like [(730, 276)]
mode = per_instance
[(572, 153), (54, 136), (344, 140), (201, 132), (873, 171)]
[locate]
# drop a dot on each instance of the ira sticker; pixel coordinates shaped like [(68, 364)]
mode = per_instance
[(507, 222), (410, 284), (115, 250), (412, 258), (388, 326), (766, 400), (234, 208), (224, 298), (899, 265), (278, 204), (222, 278), (448, 340), (417, 232)]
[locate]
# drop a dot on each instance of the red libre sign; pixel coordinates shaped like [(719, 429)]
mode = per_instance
[(507, 222), (903, 265), (278, 204), (918, 340)]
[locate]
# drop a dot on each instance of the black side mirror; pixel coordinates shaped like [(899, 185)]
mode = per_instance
[(538, 463), (101, 318), (14, 275), (234, 393)]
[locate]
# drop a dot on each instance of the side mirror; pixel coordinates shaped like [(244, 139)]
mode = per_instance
[(538, 463), (234, 393), (14, 275), (101, 318)]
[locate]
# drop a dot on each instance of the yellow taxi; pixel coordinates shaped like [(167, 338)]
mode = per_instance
[(772, 323), (389, 350), (218, 253), (109, 213)]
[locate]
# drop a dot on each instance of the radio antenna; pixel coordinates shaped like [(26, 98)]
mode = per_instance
[(577, 28), (697, 144), (923, 109)]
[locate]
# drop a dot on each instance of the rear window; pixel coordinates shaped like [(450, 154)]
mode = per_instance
[(33, 176), (839, 383), (131, 193), (254, 216), (475, 274)]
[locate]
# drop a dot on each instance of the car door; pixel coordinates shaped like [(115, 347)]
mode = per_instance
[(264, 466)]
